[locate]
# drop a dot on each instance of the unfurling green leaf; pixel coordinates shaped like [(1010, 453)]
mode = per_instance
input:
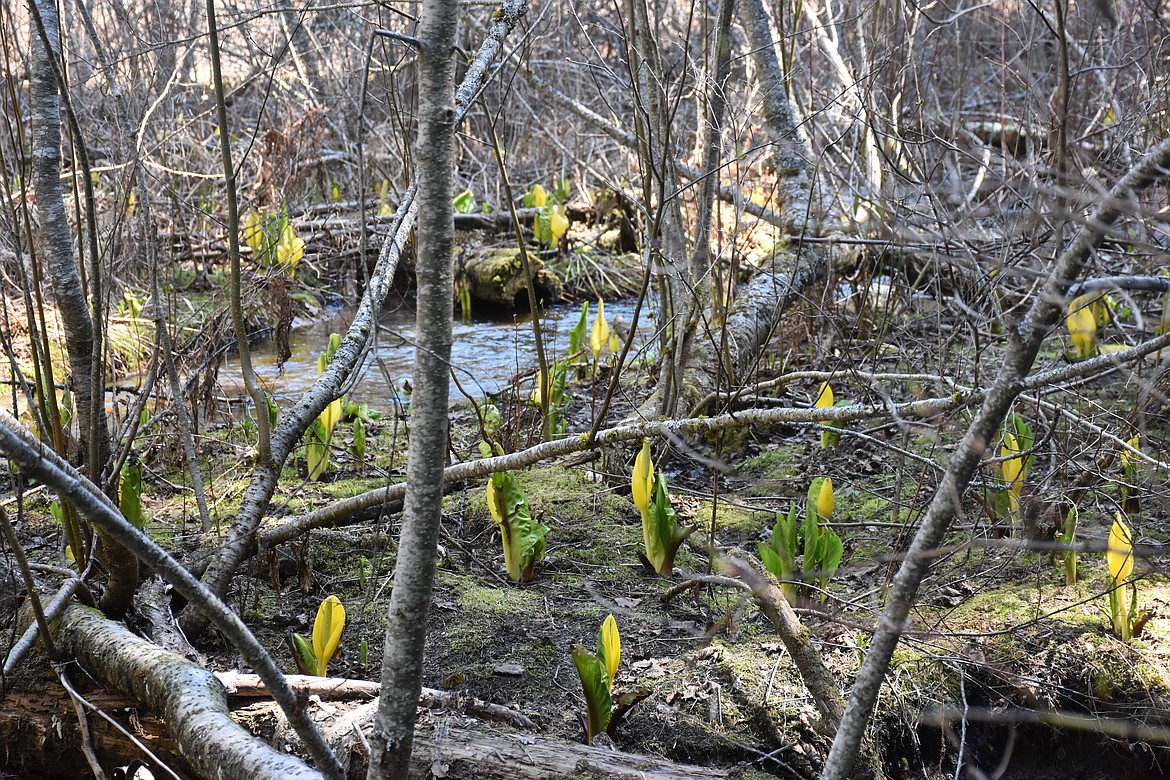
[(273, 411), (327, 630), (316, 449), (661, 534), (831, 550), (359, 440), (303, 655), (130, 496), (595, 684), (465, 202), (577, 334), (524, 537), (1069, 539)]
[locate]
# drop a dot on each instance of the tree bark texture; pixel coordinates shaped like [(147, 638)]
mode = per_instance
[(452, 752), (759, 307), (1045, 314), (712, 145), (406, 625), (57, 250), (791, 149), (189, 698)]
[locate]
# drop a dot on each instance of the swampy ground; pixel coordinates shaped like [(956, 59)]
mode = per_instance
[(997, 642)]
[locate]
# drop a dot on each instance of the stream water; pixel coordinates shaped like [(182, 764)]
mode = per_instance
[(487, 351)]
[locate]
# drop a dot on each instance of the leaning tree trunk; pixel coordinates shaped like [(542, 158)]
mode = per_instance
[(410, 601), (57, 249), (790, 148)]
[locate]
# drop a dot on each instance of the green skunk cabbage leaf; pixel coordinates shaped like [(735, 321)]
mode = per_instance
[(595, 684), (831, 550), (577, 334), (316, 449), (359, 439), (273, 411), (771, 560), (303, 655), (661, 534), (523, 536), (327, 630), (779, 555), (465, 202), (130, 497)]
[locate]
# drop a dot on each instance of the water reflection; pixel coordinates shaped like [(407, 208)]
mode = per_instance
[(486, 353)]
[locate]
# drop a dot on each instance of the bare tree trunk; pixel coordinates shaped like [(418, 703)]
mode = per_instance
[(1046, 312), (410, 601), (791, 150), (57, 241), (712, 144), (660, 195)]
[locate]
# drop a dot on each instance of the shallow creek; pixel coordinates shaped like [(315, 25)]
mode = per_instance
[(487, 353)]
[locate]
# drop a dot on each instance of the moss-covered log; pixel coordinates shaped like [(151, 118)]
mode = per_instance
[(497, 277)]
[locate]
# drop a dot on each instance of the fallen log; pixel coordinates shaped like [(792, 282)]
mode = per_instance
[(455, 752), (43, 737), (188, 697), (496, 276)]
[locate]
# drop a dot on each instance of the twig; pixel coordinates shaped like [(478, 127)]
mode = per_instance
[(30, 585), (83, 729), (80, 701), (19, 650), (703, 579)]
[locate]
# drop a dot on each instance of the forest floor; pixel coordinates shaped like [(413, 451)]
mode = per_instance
[(997, 635)]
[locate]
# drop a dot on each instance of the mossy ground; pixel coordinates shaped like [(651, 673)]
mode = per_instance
[(995, 626)]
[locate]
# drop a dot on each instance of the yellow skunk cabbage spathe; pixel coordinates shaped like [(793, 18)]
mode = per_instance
[(1119, 555), (254, 233), (825, 400), (824, 396), (290, 248), (597, 670), (825, 501), (1013, 465), (1119, 559), (1082, 327), (327, 630), (609, 647), (642, 481), (599, 336)]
